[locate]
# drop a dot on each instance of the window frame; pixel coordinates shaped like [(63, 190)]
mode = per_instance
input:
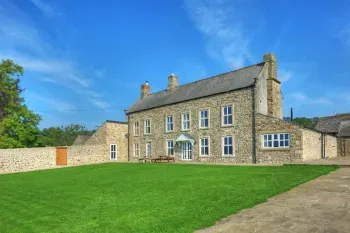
[(273, 140), (137, 132), (150, 152), (138, 149), (232, 146), (200, 118), (200, 147), (144, 127), (223, 115), (167, 147), (115, 151), (189, 121), (166, 123)]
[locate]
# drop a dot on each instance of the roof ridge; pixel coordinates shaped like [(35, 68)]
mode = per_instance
[(199, 80)]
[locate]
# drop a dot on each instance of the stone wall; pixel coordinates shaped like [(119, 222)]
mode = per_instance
[(267, 124), (343, 147), (312, 145), (87, 154), (331, 147), (116, 133), (27, 159), (241, 129)]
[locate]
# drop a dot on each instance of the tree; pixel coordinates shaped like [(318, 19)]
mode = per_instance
[(18, 124), (64, 135), (304, 121)]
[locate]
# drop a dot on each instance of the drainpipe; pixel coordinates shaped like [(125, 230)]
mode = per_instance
[(128, 137), (323, 146), (253, 125)]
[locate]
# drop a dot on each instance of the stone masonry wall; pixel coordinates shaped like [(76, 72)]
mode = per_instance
[(267, 124), (87, 154), (312, 148), (116, 134), (241, 129), (343, 147), (27, 159), (331, 146)]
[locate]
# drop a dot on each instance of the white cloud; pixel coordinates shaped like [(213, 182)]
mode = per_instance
[(100, 73), (285, 75), (304, 99), (47, 9), (52, 102), (99, 103), (226, 36)]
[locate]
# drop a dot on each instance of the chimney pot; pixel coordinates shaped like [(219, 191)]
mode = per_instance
[(173, 82), (145, 89)]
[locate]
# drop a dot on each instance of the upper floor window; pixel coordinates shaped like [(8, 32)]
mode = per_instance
[(136, 128), (169, 124), (278, 140), (185, 121), (227, 118), (204, 119), (147, 129)]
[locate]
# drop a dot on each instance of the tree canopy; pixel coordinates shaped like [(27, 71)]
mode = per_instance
[(18, 124)]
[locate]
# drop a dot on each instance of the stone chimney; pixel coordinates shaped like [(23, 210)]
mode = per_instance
[(172, 82), (274, 95), (145, 90)]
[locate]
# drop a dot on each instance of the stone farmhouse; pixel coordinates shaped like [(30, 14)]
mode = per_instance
[(235, 117)]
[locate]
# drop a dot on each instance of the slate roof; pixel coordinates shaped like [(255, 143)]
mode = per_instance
[(344, 129), (81, 139), (222, 83), (332, 124)]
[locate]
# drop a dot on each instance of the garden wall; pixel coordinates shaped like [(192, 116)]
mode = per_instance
[(87, 154), (312, 145), (331, 146), (27, 159)]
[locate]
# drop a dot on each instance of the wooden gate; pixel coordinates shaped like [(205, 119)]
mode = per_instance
[(61, 156)]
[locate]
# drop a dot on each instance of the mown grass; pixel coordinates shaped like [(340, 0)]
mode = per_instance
[(125, 197)]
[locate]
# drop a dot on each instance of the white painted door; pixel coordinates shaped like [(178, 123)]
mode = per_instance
[(113, 151), (148, 149), (186, 148)]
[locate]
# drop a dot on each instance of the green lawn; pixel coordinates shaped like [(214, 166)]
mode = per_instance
[(121, 197)]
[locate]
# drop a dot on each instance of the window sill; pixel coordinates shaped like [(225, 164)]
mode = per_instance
[(169, 131), (226, 126), (227, 156), (204, 156), (146, 134), (203, 127), (136, 135), (185, 130), (276, 149)]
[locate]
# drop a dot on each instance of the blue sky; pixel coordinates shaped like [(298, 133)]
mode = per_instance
[(84, 61)]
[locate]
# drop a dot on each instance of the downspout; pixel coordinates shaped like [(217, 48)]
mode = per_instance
[(128, 137), (323, 151), (253, 125)]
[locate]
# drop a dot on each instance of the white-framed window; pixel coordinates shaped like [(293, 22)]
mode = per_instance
[(147, 127), (113, 151), (227, 115), (204, 146), (277, 140), (136, 128), (228, 146), (170, 147), (204, 119), (169, 124), (148, 149), (185, 121), (136, 150)]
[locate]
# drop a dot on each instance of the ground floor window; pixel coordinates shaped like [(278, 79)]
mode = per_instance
[(170, 147), (227, 144), (113, 151), (136, 150), (278, 140), (148, 149), (204, 146)]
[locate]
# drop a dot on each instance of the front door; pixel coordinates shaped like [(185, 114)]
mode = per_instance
[(113, 151), (186, 149)]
